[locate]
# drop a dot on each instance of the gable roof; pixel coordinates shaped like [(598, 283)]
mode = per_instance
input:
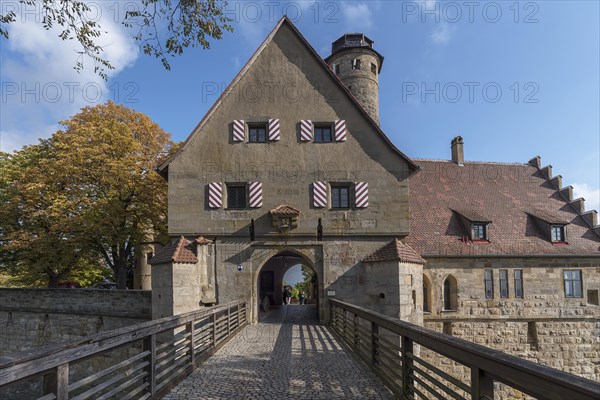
[(179, 251), (395, 251), (163, 168), (503, 193)]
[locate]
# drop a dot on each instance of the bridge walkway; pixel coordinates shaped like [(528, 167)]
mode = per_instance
[(288, 355)]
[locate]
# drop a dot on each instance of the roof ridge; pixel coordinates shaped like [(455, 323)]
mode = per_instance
[(470, 162)]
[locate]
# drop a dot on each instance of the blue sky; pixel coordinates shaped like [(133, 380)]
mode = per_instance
[(514, 79)]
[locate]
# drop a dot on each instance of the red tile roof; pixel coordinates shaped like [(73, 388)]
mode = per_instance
[(502, 193), (284, 209), (395, 251), (179, 251)]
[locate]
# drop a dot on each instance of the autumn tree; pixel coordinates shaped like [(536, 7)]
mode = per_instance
[(162, 27), (97, 182), (38, 245)]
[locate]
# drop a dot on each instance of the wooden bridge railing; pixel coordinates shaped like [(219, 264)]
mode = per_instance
[(142, 361), (397, 351)]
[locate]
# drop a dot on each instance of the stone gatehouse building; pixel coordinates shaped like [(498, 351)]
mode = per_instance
[(290, 166)]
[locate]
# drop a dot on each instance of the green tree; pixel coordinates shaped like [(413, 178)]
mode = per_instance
[(38, 245), (88, 193), (162, 27)]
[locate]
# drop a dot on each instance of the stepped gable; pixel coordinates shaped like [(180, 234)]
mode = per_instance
[(511, 196)]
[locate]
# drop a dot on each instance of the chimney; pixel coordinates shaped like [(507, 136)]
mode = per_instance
[(458, 152)]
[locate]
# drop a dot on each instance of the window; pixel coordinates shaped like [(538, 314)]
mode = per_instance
[(573, 283), (450, 294), (148, 257), (519, 283), (488, 280), (323, 134), (258, 133), (426, 294), (356, 63), (336, 68), (340, 196), (374, 68), (479, 231), (558, 233), (592, 297), (236, 196), (503, 283)]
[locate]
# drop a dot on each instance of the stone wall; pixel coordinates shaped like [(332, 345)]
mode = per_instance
[(544, 326), (32, 318)]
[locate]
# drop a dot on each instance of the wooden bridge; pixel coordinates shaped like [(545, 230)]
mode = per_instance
[(361, 354)]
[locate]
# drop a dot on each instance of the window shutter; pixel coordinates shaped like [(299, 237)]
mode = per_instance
[(340, 130), (239, 130), (306, 130), (256, 196), (361, 194), (274, 131), (215, 194), (319, 194)]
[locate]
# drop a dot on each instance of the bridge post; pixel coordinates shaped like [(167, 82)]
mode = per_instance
[(149, 344), (355, 333), (228, 321), (239, 315), (374, 343), (407, 370), (214, 329), (57, 382), (482, 386), (190, 329)]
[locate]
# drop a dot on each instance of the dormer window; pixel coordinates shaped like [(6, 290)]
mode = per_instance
[(557, 233), (479, 231)]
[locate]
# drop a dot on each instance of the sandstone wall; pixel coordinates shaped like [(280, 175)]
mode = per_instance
[(544, 326)]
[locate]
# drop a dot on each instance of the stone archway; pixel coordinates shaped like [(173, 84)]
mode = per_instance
[(268, 277)]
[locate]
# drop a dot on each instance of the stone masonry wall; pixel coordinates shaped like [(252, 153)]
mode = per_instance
[(31, 318), (544, 326)]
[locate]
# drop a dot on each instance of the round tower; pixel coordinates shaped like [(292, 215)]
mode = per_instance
[(358, 65)]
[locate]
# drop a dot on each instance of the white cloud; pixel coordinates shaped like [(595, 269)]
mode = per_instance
[(442, 33), (358, 15), (39, 83), (591, 195)]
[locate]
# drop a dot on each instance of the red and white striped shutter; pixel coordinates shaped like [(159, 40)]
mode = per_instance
[(306, 130), (239, 130), (319, 194), (361, 194), (256, 195), (215, 194), (340, 130), (274, 131)]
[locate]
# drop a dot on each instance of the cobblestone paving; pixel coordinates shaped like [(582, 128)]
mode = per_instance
[(287, 356)]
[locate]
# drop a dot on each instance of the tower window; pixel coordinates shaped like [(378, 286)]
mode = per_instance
[(558, 233), (340, 196), (374, 68), (323, 134), (258, 133), (336, 68), (573, 287), (356, 63), (236, 196)]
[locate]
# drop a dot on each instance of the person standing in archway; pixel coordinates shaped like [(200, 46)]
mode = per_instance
[(288, 295), (302, 297)]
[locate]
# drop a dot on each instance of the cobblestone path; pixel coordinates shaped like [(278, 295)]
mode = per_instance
[(286, 356)]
